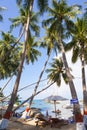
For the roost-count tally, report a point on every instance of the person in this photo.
(47, 113)
(25, 113)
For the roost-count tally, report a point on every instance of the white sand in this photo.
(15, 124)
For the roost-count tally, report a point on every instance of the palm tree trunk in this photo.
(14, 93)
(6, 84)
(41, 74)
(84, 91)
(84, 86)
(76, 107)
(33, 95)
(8, 112)
(1, 100)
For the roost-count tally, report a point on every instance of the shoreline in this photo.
(16, 123)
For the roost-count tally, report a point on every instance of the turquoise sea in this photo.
(64, 106)
(45, 106)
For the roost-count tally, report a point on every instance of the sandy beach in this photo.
(15, 124)
(18, 123)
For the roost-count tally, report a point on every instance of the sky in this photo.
(31, 72)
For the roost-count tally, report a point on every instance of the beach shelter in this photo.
(55, 99)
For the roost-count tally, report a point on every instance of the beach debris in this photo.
(58, 123)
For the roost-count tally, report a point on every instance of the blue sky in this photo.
(31, 72)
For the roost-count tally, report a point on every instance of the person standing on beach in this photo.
(25, 113)
(47, 113)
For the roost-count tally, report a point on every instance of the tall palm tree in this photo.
(79, 48)
(48, 44)
(25, 24)
(61, 23)
(42, 4)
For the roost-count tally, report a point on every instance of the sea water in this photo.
(46, 106)
(64, 106)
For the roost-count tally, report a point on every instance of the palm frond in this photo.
(75, 54)
(42, 5)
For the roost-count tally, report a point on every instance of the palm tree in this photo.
(79, 46)
(48, 44)
(25, 25)
(61, 23)
(57, 71)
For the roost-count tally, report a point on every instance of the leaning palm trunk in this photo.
(76, 107)
(41, 74)
(6, 84)
(8, 112)
(33, 95)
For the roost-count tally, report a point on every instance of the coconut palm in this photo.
(57, 71)
(30, 54)
(61, 23)
(79, 48)
(47, 43)
(25, 25)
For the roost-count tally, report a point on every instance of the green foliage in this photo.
(57, 71)
(17, 100)
(9, 55)
(41, 4)
(60, 18)
(79, 39)
(31, 52)
(22, 20)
